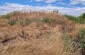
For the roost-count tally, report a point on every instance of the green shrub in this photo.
(70, 45)
(70, 17)
(79, 19)
(81, 36)
(7, 16)
(82, 16)
(48, 20)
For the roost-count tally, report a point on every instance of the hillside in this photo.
(40, 33)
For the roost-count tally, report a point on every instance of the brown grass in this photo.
(37, 38)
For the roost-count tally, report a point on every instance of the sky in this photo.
(71, 7)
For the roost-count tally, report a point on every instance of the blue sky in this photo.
(72, 7)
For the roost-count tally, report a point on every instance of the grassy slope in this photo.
(37, 34)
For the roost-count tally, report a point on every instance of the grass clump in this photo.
(7, 16)
(48, 20)
(11, 14)
(70, 45)
(25, 22)
(12, 22)
(81, 36)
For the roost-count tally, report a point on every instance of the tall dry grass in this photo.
(36, 33)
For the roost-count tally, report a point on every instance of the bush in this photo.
(79, 19)
(48, 20)
(6, 16)
(81, 36)
(70, 45)
(82, 16)
(74, 44)
(70, 17)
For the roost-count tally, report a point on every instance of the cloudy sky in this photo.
(72, 7)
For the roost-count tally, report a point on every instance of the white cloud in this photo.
(9, 7)
(73, 2)
(48, 1)
(62, 3)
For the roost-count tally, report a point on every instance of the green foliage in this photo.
(79, 19)
(81, 36)
(48, 20)
(82, 16)
(70, 45)
(7, 16)
(73, 44)
(70, 17)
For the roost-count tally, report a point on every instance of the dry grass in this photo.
(33, 37)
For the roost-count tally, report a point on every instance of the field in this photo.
(41, 33)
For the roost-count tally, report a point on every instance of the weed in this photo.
(81, 35)
(81, 40)
(70, 45)
(48, 20)
(25, 22)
